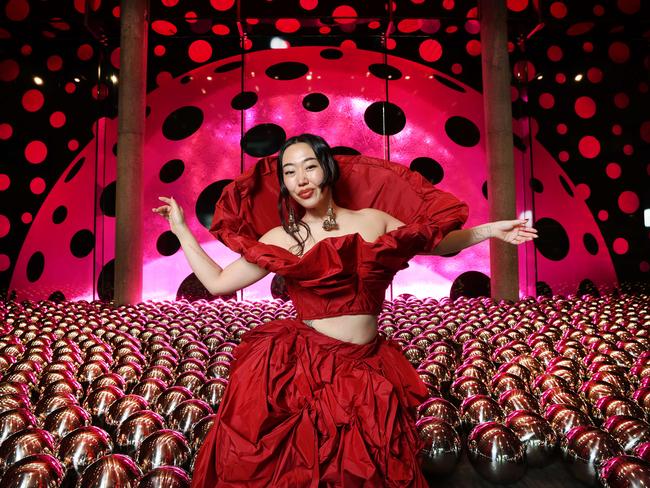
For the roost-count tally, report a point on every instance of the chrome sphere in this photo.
(585, 448)
(537, 436)
(26, 442)
(15, 420)
(624, 471)
(111, 471)
(64, 420)
(165, 476)
(496, 453)
(163, 448)
(38, 470)
(82, 447)
(443, 446)
(135, 429)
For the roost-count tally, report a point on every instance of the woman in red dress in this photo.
(322, 400)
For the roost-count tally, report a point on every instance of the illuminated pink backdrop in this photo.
(210, 151)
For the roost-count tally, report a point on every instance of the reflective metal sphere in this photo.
(187, 414)
(163, 448)
(496, 453)
(563, 418)
(150, 389)
(25, 443)
(82, 447)
(39, 470)
(584, 448)
(111, 471)
(135, 429)
(98, 402)
(15, 420)
(512, 400)
(165, 476)
(624, 471)
(478, 409)
(443, 446)
(537, 436)
(122, 408)
(441, 409)
(629, 432)
(212, 391)
(66, 419)
(200, 431)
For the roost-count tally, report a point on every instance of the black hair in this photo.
(330, 168)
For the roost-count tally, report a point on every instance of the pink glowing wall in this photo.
(211, 152)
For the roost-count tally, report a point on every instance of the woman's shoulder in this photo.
(276, 236)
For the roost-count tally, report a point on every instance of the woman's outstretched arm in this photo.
(511, 231)
(218, 281)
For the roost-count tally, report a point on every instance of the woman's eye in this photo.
(288, 173)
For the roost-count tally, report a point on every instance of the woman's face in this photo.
(302, 174)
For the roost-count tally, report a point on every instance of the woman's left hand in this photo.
(513, 231)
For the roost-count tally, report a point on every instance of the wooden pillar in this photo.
(504, 271)
(132, 92)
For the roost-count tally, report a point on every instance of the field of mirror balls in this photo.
(96, 395)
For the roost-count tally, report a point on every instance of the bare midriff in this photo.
(357, 329)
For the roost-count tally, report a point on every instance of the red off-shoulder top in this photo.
(343, 275)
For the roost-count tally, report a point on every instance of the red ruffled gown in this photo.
(303, 409)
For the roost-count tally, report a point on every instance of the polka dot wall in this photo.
(579, 144)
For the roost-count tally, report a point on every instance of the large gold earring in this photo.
(293, 227)
(330, 222)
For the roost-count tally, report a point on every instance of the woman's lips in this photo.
(306, 194)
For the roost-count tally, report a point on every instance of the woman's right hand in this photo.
(173, 213)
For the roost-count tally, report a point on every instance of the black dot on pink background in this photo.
(207, 200)
(74, 170)
(82, 243)
(263, 140)
(182, 123)
(35, 266)
(566, 186)
(384, 118)
(171, 170)
(385, 71)
(590, 243)
(114, 149)
(470, 284)
(429, 168)
(536, 185)
(462, 131)
(484, 190)
(228, 67)
(167, 243)
(331, 53)
(244, 100)
(588, 287)
(552, 241)
(59, 215)
(107, 200)
(289, 70)
(57, 296)
(543, 289)
(449, 83)
(192, 289)
(344, 150)
(105, 286)
(315, 102)
(518, 143)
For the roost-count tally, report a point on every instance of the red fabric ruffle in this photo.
(305, 410)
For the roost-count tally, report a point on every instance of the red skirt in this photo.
(305, 410)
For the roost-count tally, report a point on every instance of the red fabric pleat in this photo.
(305, 410)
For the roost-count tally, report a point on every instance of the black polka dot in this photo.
(588, 287)
(484, 190)
(543, 289)
(244, 100)
(167, 243)
(171, 170)
(566, 186)
(186, 79)
(462, 131)
(35, 266)
(182, 123)
(207, 200)
(518, 143)
(470, 284)
(74, 170)
(590, 243)
(228, 67)
(147, 111)
(107, 200)
(82, 243)
(315, 102)
(192, 289)
(105, 281)
(385, 118)
(536, 185)
(429, 168)
(57, 296)
(114, 149)
(331, 53)
(263, 140)
(59, 215)
(552, 241)
(385, 71)
(449, 83)
(289, 70)
(344, 150)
